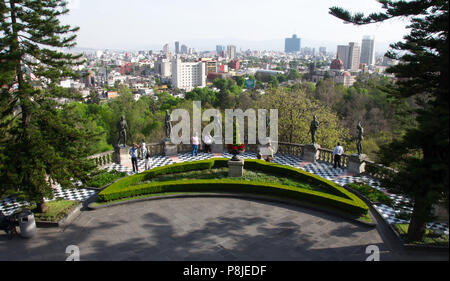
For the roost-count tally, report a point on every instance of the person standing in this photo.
(208, 140)
(143, 150)
(195, 144)
(147, 160)
(337, 154)
(134, 156)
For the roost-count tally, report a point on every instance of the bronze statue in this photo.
(168, 124)
(360, 138)
(122, 127)
(313, 129)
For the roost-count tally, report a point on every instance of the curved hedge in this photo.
(130, 187)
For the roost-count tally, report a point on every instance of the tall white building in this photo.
(188, 75)
(231, 51)
(354, 56)
(166, 68)
(368, 50)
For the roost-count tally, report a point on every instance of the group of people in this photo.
(134, 151)
(207, 140)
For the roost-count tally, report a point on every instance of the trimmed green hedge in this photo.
(129, 187)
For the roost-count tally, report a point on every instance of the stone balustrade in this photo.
(325, 155)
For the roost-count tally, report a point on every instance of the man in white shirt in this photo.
(337, 154)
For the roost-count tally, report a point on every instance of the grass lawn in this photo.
(104, 178)
(249, 175)
(56, 210)
(430, 239)
(374, 195)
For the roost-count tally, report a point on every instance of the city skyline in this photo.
(201, 24)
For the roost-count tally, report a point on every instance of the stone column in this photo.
(236, 168)
(170, 149)
(311, 153)
(357, 164)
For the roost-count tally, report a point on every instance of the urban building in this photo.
(220, 49)
(368, 51)
(234, 64)
(177, 47)
(292, 45)
(184, 49)
(231, 51)
(354, 56)
(322, 51)
(342, 53)
(210, 64)
(188, 75)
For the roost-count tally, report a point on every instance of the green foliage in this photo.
(130, 187)
(371, 193)
(295, 112)
(104, 178)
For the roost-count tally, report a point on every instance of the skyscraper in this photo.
(292, 45)
(220, 49)
(177, 47)
(368, 50)
(354, 56)
(184, 49)
(231, 51)
(342, 53)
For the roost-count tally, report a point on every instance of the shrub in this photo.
(130, 187)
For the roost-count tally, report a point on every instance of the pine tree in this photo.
(422, 154)
(40, 145)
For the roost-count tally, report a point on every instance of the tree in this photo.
(295, 112)
(41, 144)
(421, 155)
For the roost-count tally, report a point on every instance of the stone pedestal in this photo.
(122, 156)
(311, 153)
(170, 149)
(236, 168)
(217, 148)
(357, 164)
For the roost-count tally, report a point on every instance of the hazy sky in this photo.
(202, 24)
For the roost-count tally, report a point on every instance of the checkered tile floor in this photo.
(10, 205)
(324, 170)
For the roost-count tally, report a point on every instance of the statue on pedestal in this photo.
(313, 129)
(360, 138)
(122, 127)
(168, 125)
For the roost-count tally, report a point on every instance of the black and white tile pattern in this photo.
(10, 205)
(401, 203)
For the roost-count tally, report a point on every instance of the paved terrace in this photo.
(216, 228)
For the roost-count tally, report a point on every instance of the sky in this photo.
(203, 24)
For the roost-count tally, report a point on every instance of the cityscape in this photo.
(113, 116)
(180, 67)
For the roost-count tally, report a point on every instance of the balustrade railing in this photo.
(103, 159)
(325, 155)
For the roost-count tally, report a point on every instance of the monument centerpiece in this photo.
(122, 156)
